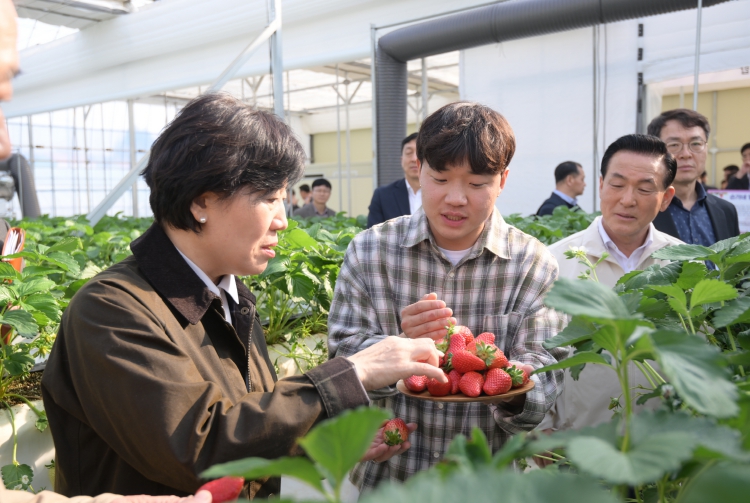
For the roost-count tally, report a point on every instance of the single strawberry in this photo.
(457, 343)
(519, 376)
(417, 384)
(224, 489)
(523, 366)
(497, 361)
(487, 337)
(454, 377)
(471, 384)
(395, 432)
(460, 329)
(464, 362)
(497, 382)
(437, 388)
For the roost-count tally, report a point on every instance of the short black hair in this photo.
(647, 145)
(732, 168)
(218, 144)
(565, 169)
(466, 132)
(321, 182)
(686, 117)
(406, 140)
(304, 188)
(744, 147)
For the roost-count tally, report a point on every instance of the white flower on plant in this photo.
(18, 487)
(576, 252)
(25, 479)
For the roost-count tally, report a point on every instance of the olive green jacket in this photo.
(147, 385)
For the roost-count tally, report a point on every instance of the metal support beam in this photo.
(273, 29)
(697, 55)
(131, 131)
(425, 95)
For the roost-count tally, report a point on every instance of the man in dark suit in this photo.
(569, 184)
(402, 197)
(694, 216)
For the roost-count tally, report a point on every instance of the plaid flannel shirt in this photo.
(498, 287)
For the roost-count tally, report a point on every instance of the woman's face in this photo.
(240, 232)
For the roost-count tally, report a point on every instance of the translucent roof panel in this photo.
(76, 13)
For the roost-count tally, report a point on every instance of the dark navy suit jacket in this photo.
(550, 204)
(723, 217)
(389, 201)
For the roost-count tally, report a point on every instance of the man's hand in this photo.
(426, 318)
(200, 497)
(379, 451)
(5, 148)
(394, 358)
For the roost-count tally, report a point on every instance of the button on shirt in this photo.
(415, 199)
(226, 285)
(693, 226)
(630, 263)
(565, 197)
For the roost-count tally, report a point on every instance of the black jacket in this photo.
(550, 204)
(388, 202)
(722, 213)
(739, 183)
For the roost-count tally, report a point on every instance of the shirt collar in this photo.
(494, 236)
(565, 197)
(700, 198)
(411, 191)
(608, 243)
(227, 283)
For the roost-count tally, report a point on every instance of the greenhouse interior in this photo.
(297, 250)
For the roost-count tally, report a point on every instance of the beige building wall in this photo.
(325, 163)
(727, 111)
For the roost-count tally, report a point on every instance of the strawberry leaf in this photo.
(255, 468)
(709, 291)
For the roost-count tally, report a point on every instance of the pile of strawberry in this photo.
(473, 365)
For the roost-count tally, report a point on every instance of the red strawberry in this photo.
(437, 388)
(457, 343)
(523, 366)
(460, 329)
(416, 384)
(519, 376)
(224, 489)
(487, 337)
(497, 382)
(454, 377)
(464, 362)
(471, 384)
(395, 432)
(492, 356)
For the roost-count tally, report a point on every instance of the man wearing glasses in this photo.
(694, 216)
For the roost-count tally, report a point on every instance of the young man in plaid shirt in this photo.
(454, 260)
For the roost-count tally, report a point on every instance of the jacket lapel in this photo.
(718, 220)
(402, 197)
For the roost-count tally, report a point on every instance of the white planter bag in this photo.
(35, 448)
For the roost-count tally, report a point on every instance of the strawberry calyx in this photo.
(393, 437)
(516, 374)
(448, 363)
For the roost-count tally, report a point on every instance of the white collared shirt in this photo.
(630, 263)
(565, 197)
(415, 198)
(227, 284)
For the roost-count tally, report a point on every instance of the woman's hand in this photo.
(395, 358)
(200, 497)
(379, 451)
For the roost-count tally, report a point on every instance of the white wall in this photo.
(544, 87)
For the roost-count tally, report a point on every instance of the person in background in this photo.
(304, 194)
(729, 172)
(569, 184)
(454, 260)
(8, 69)
(402, 197)
(704, 181)
(321, 193)
(635, 186)
(693, 216)
(741, 180)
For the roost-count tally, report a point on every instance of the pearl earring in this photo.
(202, 220)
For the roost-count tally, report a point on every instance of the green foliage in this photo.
(551, 228)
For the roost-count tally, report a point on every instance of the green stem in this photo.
(13, 427)
(682, 320)
(692, 327)
(637, 490)
(645, 373)
(540, 456)
(654, 373)
(25, 400)
(734, 348)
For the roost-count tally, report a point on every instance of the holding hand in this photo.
(379, 451)
(200, 497)
(426, 318)
(394, 358)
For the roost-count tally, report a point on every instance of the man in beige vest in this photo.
(635, 185)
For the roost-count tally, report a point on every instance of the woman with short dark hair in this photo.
(160, 369)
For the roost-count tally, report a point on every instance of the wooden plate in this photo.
(425, 395)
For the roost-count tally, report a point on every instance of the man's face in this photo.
(632, 193)
(578, 182)
(690, 164)
(8, 52)
(746, 159)
(457, 202)
(409, 161)
(321, 194)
